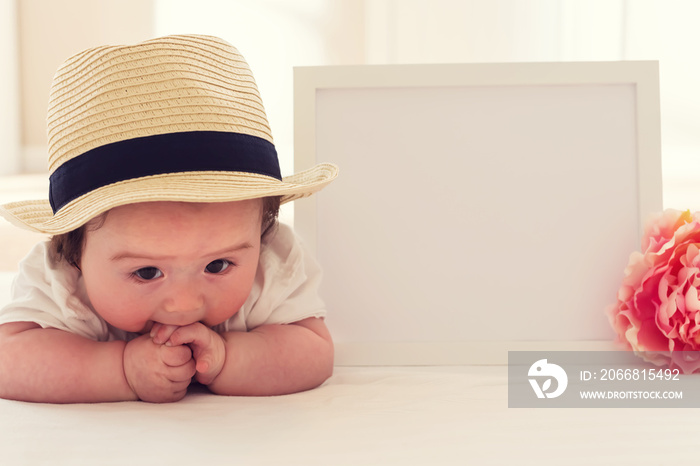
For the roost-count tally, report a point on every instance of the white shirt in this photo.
(52, 293)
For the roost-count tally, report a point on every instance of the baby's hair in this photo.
(270, 212)
(69, 246)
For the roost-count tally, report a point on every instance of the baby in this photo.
(166, 262)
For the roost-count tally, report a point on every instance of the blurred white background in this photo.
(276, 35)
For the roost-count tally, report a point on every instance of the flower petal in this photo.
(692, 303)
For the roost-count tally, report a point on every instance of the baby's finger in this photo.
(182, 374)
(154, 328)
(207, 350)
(195, 334)
(204, 375)
(175, 356)
(160, 333)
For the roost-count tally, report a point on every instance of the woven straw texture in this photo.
(166, 85)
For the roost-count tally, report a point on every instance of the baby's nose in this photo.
(184, 298)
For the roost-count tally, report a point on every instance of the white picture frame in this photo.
(480, 208)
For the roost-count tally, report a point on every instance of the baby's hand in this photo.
(208, 347)
(158, 373)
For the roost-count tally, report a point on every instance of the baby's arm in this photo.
(50, 365)
(269, 360)
(276, 359)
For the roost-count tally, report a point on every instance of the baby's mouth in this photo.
(147, 328)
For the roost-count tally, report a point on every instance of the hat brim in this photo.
(211, 186)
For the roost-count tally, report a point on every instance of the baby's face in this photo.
(172, 262)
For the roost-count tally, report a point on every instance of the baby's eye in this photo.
(148, 273)
(217, 266)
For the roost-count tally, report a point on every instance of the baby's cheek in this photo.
(122, 319)
(122, 313)
(222, 312)
(226, 306)
(226, 298)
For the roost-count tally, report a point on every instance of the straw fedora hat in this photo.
(177, 118)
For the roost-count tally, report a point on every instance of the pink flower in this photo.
(657, 313)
